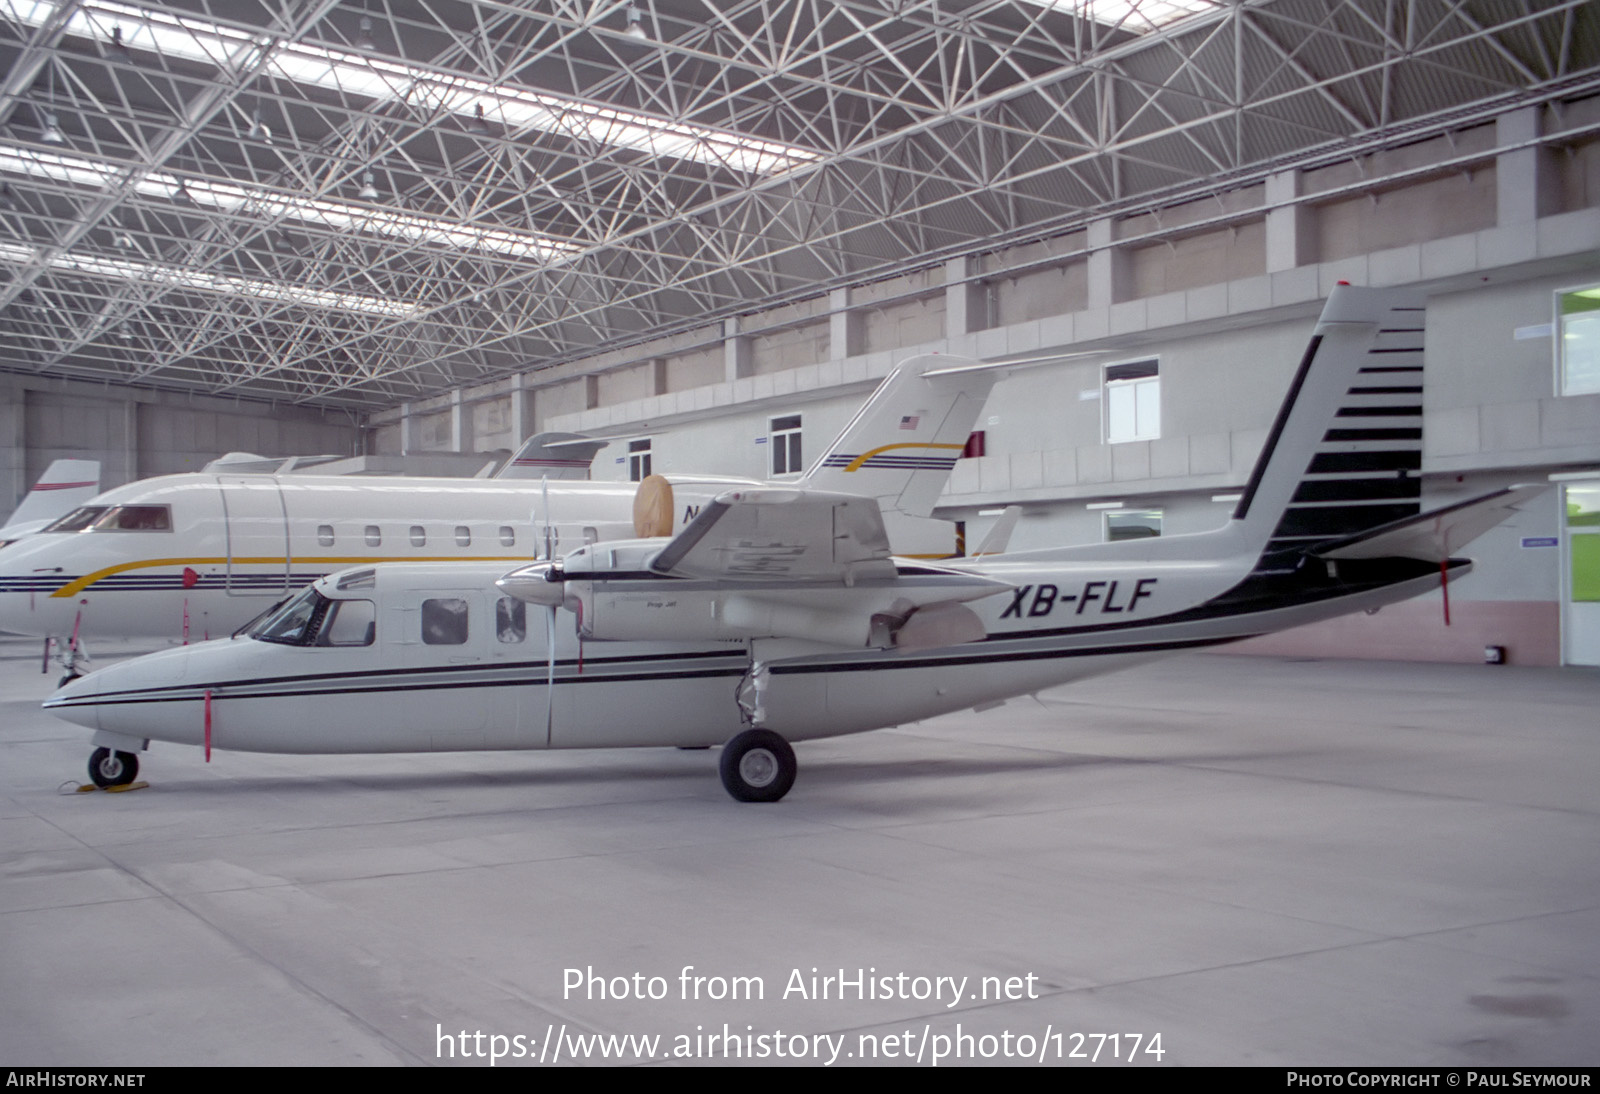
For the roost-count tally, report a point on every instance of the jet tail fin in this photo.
(553, 456)
(65, 485)
(1344, 456)
(903, 442)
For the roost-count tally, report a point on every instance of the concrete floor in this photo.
(1263, 861)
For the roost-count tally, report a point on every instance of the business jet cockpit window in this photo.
(77, 520)
(135, 518)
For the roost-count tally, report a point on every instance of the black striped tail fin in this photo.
(1345, 453)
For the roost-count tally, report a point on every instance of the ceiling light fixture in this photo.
(117, 48)
(181, 195)
(369, 189)
(259, 130)
(478, 125)
(364, 38)
(635, 25)
(51, 133)
(123, 240)
(8, 200)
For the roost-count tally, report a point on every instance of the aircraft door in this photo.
(258, 536)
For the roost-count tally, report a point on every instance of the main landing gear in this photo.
(108, 768)
(758, 766)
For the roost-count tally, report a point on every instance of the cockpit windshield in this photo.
(312, 619)
(291, 624)
(77, 520)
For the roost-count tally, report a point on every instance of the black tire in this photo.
(108, 768)
(758, 766)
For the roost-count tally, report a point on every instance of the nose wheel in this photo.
(758, 766)
(108, 768)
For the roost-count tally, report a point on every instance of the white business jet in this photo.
(778, 614)
(198, 555)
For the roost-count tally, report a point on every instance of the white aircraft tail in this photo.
(903, 442)
(557, 456)
(1345, 453)
(65, 485)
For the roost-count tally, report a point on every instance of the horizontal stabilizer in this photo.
(999, 536)
(554, 456)
(1433, 536)
(759, 534)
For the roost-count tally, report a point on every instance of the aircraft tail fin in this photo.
(65, 485)
(903, 442)
(554, 456)
(1344, 456)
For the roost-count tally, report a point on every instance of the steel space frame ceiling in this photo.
(357, 204)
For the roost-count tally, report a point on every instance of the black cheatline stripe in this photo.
(1417, 390)
(1358, 489)
(536, 678)
(1379, 411)
(1392, 368)
(1328, 463)
(1395, 349)
(1402, 330)
(992, 658)
(1372, 435)
(538, 667)
(1278, 425)
(1408, 307)
(1340, 520)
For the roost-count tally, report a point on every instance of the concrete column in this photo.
(736, 357)
(130, 440)
(658, 376)
(408, 430)
(460, 428)
(966, 302)
(1291, 229)
(844, 326)
(14, 484)
(520, 396)
(1108, 265)
(1526, 184)
(591, 391)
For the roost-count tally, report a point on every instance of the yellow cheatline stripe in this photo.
(856, 463)
(76, 587)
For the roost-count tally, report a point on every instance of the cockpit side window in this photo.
(349, 623)
(77, 520)
(135, 518)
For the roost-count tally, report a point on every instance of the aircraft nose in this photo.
(126, 686)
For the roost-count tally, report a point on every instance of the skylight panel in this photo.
(1134, 16)
(133, 270)
(378, 78)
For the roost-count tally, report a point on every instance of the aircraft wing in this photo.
(766, 533)
(1433, 536)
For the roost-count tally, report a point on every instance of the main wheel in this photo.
(108, 768)
(758, 766)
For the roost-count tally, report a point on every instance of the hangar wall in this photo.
(1490, 222)
(137, 434)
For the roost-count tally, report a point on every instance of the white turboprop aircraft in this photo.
(778, 614)
(65, 485)
(200, 554)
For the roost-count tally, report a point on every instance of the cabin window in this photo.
(419, 536)
(463, 536)
(374, 537)
(510, 620)
(136, 518)
(508, 536)
(77, 520)
(325, 535)
(349, 623)
(444, 622)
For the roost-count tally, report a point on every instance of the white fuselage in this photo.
(408, 690)
(236, 543)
